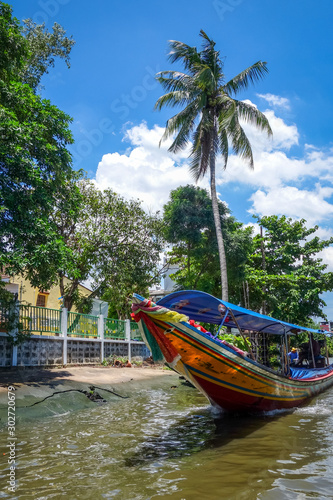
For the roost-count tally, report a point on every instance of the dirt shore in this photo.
(99, 375)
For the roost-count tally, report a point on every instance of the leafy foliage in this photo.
(44, 47)
(34, 160)
(189, 227)
(235, 340)
(285, 272)
(10, 321)
(108, 240)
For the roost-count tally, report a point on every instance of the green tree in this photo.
(210, 117)
(44, 47)
(34, 135)
(188, 222)
(285, 272)
(189, 227)
(109, 241)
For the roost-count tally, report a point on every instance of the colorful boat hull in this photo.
(228, 379)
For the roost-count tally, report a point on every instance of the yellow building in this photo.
(46, 298)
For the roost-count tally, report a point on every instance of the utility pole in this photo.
(262, 247)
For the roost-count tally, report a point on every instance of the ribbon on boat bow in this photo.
(148, 311)
(161, 313)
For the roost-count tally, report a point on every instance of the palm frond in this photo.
(172, 99)
(182, 136)
(206, 38)
(175, 80)
(173, 74)
(252, 115)
(240, 143)
(211, 57)
(182, 123)
(203, 141)
(249, 76)
(196, 163)
(224, 146)
(205, 79)
(200, 157)
(225, 109)
(179, 51)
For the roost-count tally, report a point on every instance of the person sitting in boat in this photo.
(305, 353)
(320, 361)
(293, 356)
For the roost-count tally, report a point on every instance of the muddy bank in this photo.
(52, 392)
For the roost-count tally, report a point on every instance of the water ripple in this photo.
(171, 444)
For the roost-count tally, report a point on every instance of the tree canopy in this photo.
(34, 159)
(44, 47)
(109, 241)
(284, 274)
(189, 227)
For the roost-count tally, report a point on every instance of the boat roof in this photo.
(201, 306)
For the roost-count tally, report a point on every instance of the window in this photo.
(41, 300)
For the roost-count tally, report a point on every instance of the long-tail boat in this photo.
(230, 378)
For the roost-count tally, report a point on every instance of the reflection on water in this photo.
(170, 444)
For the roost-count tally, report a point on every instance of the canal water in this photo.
(168, 443)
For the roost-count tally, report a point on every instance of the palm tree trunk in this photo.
(219, 235)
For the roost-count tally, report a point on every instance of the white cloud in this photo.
(276, 100)
(284, 136)
(327, 256)
(255, 227)
(146, 171)
(281, 184)
(323, 233)
(295, 203)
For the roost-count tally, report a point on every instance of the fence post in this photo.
(64, 318)
(14, 332)
(128, 337)
(100, 334)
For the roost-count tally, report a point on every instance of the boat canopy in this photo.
(201, 306)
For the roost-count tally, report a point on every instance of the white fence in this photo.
(91, 333)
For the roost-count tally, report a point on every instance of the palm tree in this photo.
(211, 116)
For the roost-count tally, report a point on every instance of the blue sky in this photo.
(110, 92)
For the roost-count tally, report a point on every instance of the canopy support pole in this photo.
(327, 357)
(311, 345)
(222, 322)
(287, 360)
(242, 335)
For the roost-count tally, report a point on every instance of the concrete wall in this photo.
(140, 350)
(83, 352)
(5, 352)
(117, 348)
(39, 352)
(42, 351)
